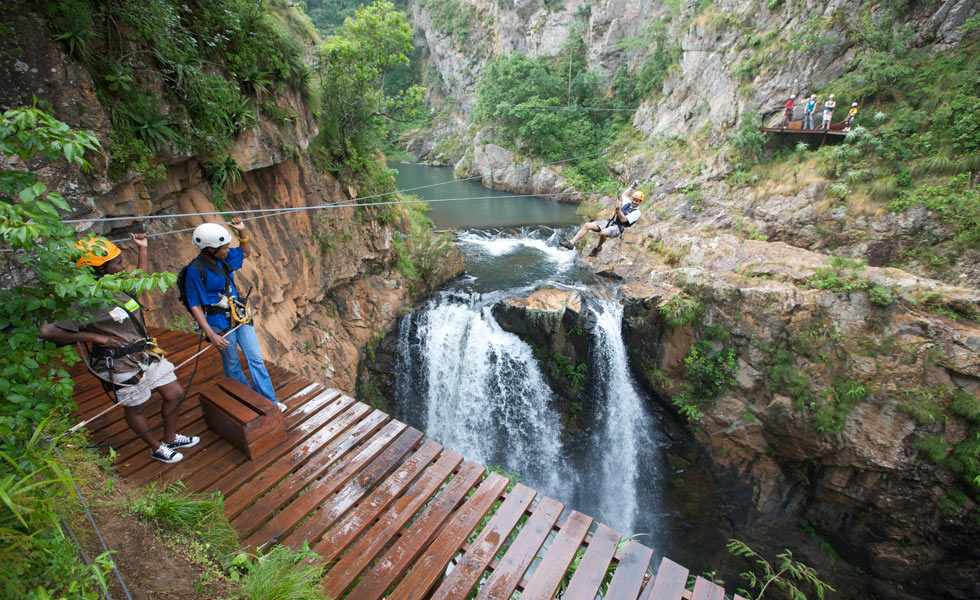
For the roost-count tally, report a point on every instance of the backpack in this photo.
(200, 264)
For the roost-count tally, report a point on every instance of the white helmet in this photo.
(210, 235)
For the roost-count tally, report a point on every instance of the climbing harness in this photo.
(194, 358)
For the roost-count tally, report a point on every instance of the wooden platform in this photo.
(390, 513)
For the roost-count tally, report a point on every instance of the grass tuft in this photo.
(194, 515)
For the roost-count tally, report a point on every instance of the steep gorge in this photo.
(848, 428)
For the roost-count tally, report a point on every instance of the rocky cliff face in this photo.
(324, 280)
(783, 446)
(732, 59)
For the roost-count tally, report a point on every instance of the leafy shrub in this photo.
(280, 574)
(934, 447)
(843, 276)
(749, 142)
(710, 373)
(880, 295)
(966, 405)
(786, 378)
(922, 406)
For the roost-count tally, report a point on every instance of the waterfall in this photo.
(478, 389)
(626, 439)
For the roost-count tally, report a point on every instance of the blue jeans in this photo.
(244, 338)
(808, 120)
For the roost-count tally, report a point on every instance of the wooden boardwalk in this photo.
(390, 513)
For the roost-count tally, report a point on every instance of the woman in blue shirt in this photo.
(209, 301)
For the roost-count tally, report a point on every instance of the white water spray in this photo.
(486, 398)
(626, 437)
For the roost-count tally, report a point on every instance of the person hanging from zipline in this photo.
(627, 212)
(121, 353)
(214, 301)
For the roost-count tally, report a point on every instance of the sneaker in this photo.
(566, 244)
(595, 251)
(281, 406)
(165, 454)
(183, 441)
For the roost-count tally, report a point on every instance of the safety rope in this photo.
(105, 548)
(108, 409)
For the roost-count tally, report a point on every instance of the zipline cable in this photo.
(315, 207)
(279, 211)
(574, 108)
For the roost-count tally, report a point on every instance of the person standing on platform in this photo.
(120, 352)
(828, 112)
(850, 116)
(788, 110)
(811, 105)
(215, 303)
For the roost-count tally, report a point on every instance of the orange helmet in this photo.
(638, 194)
(98, 251)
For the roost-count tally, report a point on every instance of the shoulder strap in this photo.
(140, 326)
(203, 263)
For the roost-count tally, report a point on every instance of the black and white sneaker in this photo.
(165, 454)
(183, 441)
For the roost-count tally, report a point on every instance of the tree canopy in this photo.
(353, 66)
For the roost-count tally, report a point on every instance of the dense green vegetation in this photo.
(917, 140)
(358, 104)
(35, 485)
(215, 66)
(534, 102)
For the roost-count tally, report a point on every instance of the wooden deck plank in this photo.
(547, 577)
(510, 570)
(230, 473)
(378, 474)
(215, 449)
(338, 539)
(268, 473)
(397, 559)
(370, 496)
(706, 590)
(594, 565)
(630, 571)
(289, 477)
(468, 570)
(669, 583)
(394, 433)
(138, 453)
(431, 565)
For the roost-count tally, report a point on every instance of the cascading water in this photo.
(626, 439)
(479, 390)
(481, 393)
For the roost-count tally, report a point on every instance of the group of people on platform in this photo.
(810, 106)
(125, 358)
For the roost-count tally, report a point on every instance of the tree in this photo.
(40, 253)
(353, 67)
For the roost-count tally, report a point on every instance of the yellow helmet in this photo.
(638, 194)
(98, 251)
